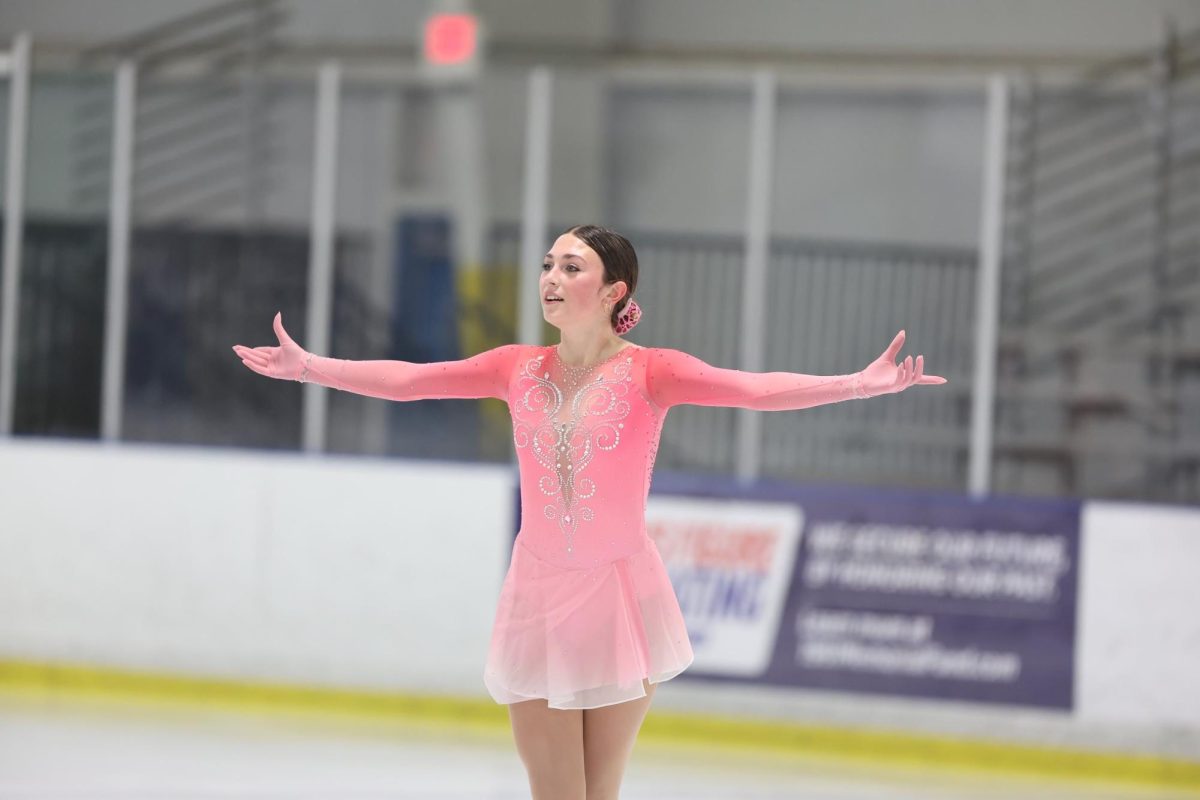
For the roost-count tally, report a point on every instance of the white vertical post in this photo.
(14, 224)
(758, 234)
(533, 212)
(987, 291)
(120, 216)
(320, 261)
(460, 118)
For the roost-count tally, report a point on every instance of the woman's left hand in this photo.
(284, 362)
(884, 376)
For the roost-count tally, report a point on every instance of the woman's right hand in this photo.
(285, 361)
(884, 376)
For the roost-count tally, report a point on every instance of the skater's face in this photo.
(573, 271)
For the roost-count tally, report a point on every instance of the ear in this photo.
(620, 289)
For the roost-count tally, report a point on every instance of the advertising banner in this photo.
(875, 591)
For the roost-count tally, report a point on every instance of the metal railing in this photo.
(1100, 326)
(204, 123)
(191, 298)
(60, 325)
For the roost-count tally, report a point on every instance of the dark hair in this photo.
(617, 256)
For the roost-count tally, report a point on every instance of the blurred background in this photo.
(1016, 183)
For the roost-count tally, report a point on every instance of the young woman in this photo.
(587, 622)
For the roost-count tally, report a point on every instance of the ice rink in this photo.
(80, 747)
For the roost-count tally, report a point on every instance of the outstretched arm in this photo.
(482, 375)
(674, 377)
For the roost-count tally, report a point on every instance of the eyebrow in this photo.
(565, 255)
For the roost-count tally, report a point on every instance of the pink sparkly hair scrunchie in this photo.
(628, 318)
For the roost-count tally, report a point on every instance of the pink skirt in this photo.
(587, 637)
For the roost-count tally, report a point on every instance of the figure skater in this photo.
(587, 622)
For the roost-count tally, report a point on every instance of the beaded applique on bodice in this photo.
(572, 422)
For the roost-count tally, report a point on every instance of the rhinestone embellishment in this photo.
(565, 447)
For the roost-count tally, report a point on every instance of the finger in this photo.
(279, 331)
(242, 350)
(932, 379)
(260, 352)
(920, 368)
(254, 367)
(256, 358)
(909, 370)
(894, 348)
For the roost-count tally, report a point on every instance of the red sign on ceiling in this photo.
(450, 38)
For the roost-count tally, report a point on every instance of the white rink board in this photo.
(315, 570)
(1138, 646)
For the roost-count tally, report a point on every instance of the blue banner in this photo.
(874, 590)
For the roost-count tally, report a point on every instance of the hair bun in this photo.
(628, 318)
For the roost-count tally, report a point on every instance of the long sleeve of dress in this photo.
(674, 377)
(485, 374)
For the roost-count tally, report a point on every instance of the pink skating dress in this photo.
(586, 610)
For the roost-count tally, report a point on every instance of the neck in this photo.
(581, 351)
